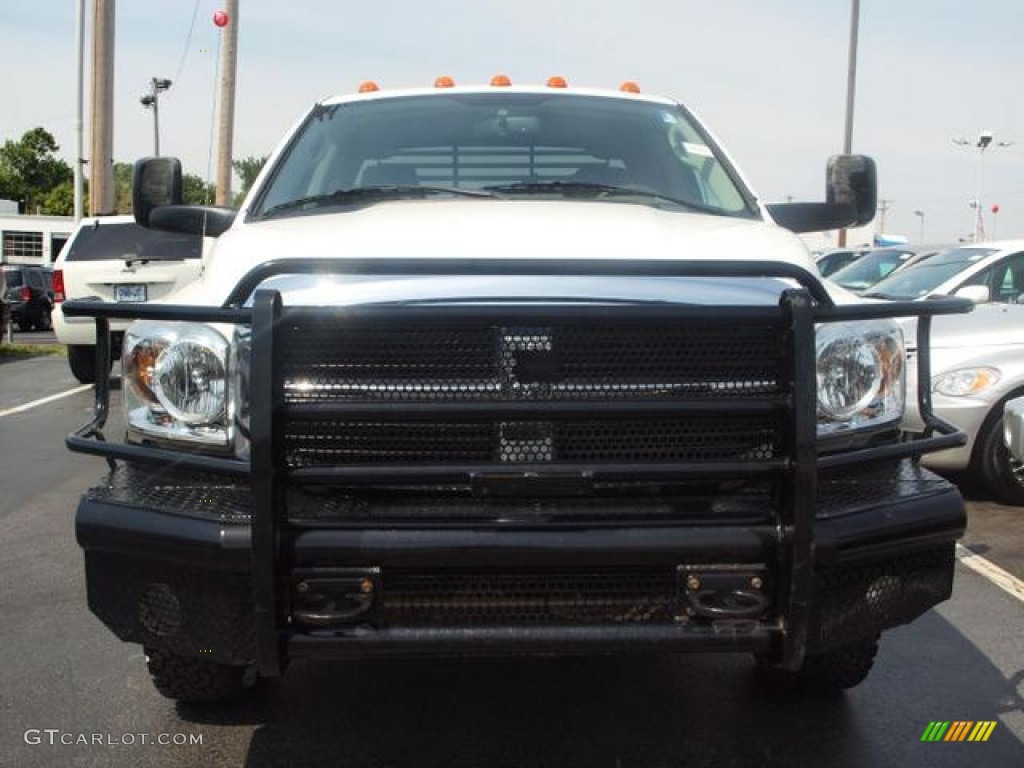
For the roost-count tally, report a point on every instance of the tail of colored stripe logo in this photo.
(982, 731)
(958, 730)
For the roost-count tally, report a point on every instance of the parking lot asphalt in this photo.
(65, 673)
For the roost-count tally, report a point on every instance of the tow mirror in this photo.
(852, 180)
(156, 181)
(851, 194)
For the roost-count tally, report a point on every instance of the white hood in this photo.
(477, 229)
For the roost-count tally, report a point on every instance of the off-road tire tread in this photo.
(193, 681)
(829, 672)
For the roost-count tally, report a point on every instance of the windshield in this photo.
(502, 145)
(870, 268)
(923, 278)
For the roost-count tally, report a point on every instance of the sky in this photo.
(768, 78)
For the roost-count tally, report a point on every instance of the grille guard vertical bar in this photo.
(803, 480)
(266, 483)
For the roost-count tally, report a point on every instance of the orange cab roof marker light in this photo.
(557, 82)
(629, 87)
(444, 82)
(501, 80)
(368, 86)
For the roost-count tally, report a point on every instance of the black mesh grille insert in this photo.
(503, 599)
(704, 438)
(362, 360)
(330, 363)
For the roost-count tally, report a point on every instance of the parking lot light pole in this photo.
(851, 90)
(152, 100)
(920, 214)
(983, 142)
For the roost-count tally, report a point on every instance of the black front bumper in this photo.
(161, 571)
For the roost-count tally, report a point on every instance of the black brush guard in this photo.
(797, 465)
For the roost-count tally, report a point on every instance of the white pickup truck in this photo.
(510, 369)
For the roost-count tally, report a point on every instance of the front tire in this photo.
(82, 361)
(829, 672)
(998, 470)
(196, 681)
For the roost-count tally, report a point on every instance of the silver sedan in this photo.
(977, 367)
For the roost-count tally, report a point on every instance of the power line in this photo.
(188, 41)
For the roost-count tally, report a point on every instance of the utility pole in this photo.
(226, 112)
(101, 158)
(883, 209)
(79, 107)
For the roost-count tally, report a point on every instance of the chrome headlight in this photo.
(965, 382)
(860, 369)
(175, 383)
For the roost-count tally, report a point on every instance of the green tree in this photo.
(123, 187)
(60, 201)
(247, 168)
(30, 169)
(195, 191)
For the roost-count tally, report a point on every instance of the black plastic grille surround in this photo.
(484, 598)
(480, 363)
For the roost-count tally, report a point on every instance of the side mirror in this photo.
(979, 294)
(156, 181)
(851, 194)
(852, 180)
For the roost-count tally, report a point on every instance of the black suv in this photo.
(29, 294)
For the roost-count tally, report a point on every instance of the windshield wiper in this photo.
(594, 189)
(879, 295)
(377, 192)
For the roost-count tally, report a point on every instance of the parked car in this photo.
(834, 260)
(977, 363)
(29, 294)
(1013, 433)
(114, 259)
(982, 272)
(880, 263)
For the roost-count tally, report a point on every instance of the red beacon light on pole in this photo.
(221, 18)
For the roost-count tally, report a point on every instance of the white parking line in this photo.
(43, 401)
(1005, 581)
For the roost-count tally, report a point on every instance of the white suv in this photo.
(114, 259)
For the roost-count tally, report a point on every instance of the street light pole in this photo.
(151, 100)
(851, 87)
(920, 214)
(983, 142)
